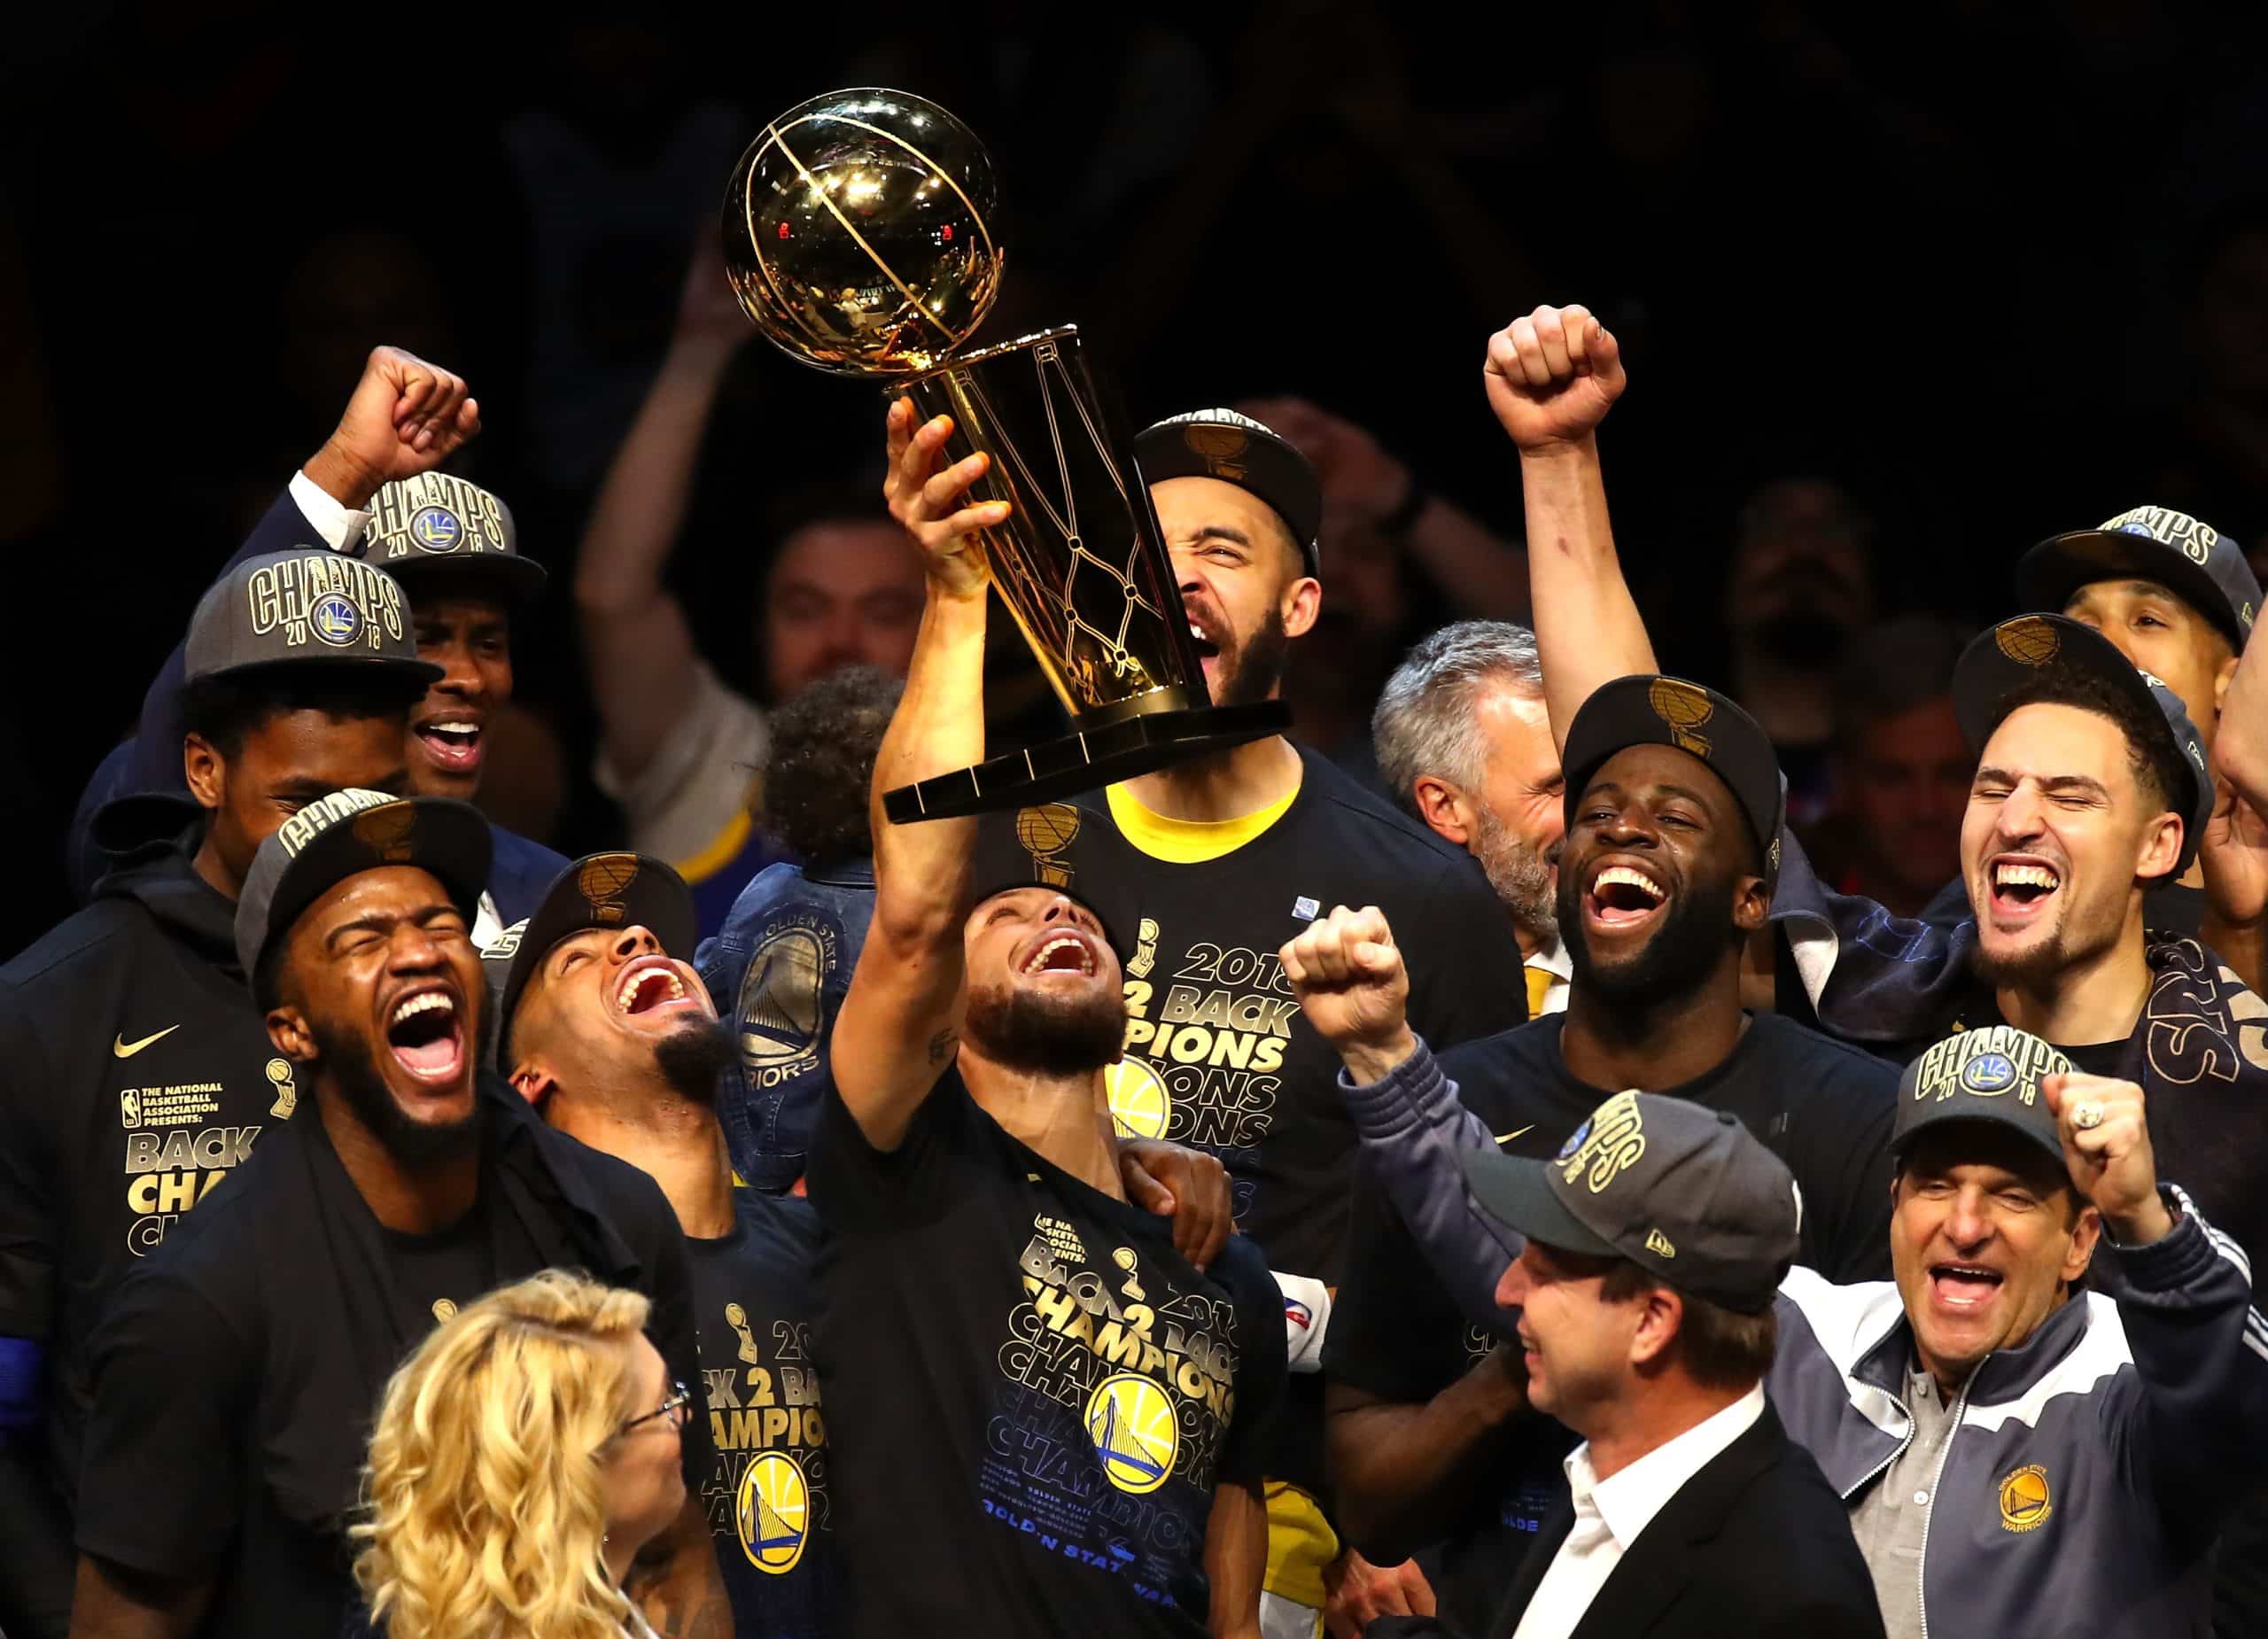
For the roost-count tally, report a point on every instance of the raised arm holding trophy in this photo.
(859, 236)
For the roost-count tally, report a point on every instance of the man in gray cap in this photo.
(1656, 1242)
(2110, 1431)
(236, 1373)
(135, 1072)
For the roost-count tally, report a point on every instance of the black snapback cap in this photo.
(2184, 553)
(1991, 1074)
(304, 607)
(1683, 1192)
(1236, 449)
(436, 525)
(2020, 651)
(1646, 709)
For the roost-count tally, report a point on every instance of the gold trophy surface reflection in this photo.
(859, 237)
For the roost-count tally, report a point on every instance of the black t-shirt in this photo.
(1032, 1395)
(1824, 1107)
(238, 1370)
(135, 1074)
(766, 1493)
(432, 1277)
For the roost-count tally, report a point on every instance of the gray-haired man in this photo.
(1465, 744)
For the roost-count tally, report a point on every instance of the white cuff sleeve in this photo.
(1306, 1316)
(338, 524)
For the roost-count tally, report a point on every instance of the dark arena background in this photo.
(1901, 291)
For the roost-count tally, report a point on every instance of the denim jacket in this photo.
(778, 970)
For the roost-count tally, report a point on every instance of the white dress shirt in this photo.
(1553, 958)
(338, 525)
(1610, 1514)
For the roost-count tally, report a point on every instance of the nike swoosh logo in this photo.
(1506, 1137)
(125, 1049)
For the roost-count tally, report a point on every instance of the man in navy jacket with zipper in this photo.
(2080, 1446)
(373, 490)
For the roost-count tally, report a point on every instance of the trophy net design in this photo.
(856, 238)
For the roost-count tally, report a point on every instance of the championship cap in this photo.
(2184, 553)
(440, 522)
(1222, 443)
(606, 890)
(1669, 711)
(301, 607)
(347, 833)
(1989, 1075)
(2018, 652)
(1680, 1190)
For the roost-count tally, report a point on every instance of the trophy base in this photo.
(1080, 762)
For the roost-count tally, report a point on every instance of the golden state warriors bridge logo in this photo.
(771, 1513)
(1132, 1424)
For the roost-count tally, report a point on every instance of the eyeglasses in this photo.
(673, 1407)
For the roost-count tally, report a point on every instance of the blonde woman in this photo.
(522, 1457)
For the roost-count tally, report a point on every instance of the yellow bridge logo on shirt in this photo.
(1133, 1426)
(771, 1513)
(782, 1004)
(1204, 1049)
(2024, 1500)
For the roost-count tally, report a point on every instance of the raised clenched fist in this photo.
(2106, 1133)
(406, 416)
(1353, 988)
(1552, 376)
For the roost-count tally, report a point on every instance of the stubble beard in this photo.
(1520, 876)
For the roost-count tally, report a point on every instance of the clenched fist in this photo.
(1354, 988)
(2107, 1147)
(1552, 376)
(406, 416)
(927, 502)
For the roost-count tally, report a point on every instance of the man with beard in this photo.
(1211, 865)
(1075, 1411)
(1666, 869)
(1465, 745)
(373, 490)
(236, 1373)
(138, 1072)
(613, 1037)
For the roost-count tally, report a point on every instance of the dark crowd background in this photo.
(1901, 290)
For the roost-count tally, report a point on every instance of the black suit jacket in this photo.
(1755, 1546)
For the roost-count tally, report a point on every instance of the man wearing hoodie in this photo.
(135, 1070)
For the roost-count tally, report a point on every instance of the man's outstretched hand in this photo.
(926, 503)
(1188, 1187)
(406, 416)
(1353, 989)
(1552, 376)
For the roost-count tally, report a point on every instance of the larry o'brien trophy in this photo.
(858, 235)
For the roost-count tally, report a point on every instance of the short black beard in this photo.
(1046, 1035)
(1670, 966)
(1519, 874)
(416, 1145)
(1250, 672)
(693, 1056)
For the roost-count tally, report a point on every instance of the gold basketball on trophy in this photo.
(858, 233)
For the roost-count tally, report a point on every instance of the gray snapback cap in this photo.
(1990, 1075)
(309, 608)
(436, 527)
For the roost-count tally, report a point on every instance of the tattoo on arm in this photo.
(942, 1044)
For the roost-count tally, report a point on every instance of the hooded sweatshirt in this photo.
(135, 1074)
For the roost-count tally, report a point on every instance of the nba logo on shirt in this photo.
(1305, 908)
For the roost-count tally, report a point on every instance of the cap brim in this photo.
(655, 898)
(1903, 1140)
(2051, 572)
(521, 579)
(422, 673)
(450, 840)
(1271, 470)
(1516, 1191)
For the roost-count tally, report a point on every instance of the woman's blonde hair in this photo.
(484, 1511)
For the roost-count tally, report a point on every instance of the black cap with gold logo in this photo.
(608, 890)
(2186, 555)
(435, 527)
(1236, 449)
(1989, 1075)
(1646, 709)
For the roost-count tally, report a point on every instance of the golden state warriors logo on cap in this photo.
(385, 831)
(1684, 708)
(602, 880)
(771, 1513)
(2025, 1501)
(1990, 1063)
(334, 620)
(435, 529)
(2028, 640)
(1132, 1424)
